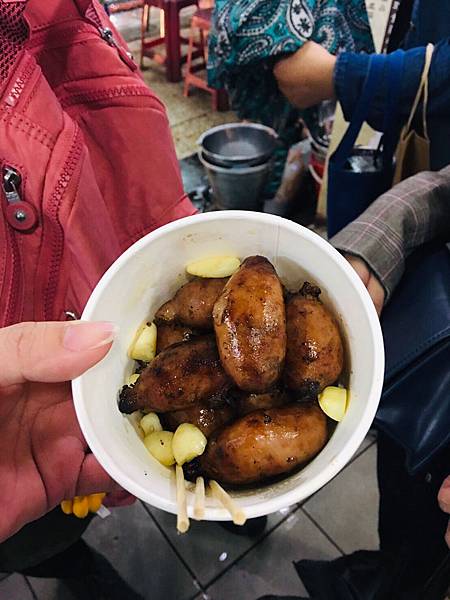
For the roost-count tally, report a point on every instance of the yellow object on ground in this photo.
(81, 506)
(95, 501)
(333, 402)
(66, 507)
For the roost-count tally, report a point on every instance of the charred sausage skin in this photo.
(265, 444)
(250, 325)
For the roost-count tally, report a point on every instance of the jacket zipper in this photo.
(107, 35)
(11, 184)
(20, 82)
(123, 91)
(57, 241)
(84, 29)
(126, 56)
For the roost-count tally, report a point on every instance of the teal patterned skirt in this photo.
(247, 38)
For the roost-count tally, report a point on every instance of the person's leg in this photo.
(86, 573)
(73, 562)
(411, 529)
(411, 524)
(40, 540)
(51, 547)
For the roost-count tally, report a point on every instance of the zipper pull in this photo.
(108, 36)
(20, 215)
(11, 184)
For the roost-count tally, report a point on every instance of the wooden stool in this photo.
(201, 22)
(169, 35)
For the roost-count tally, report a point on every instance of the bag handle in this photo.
(395, 62)
(371, 84)
(422, 91)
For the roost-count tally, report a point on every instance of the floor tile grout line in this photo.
(351, 461)
(249, 549)
(201, 588)
(322, 530)
(30, 587)
(358, 454)
(202, 596)
(307, 515)
(206, 586)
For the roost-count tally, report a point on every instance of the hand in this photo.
(444, 503)
(306, 77)
(371, 282)
(43, 456)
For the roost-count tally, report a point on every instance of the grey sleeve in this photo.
(412, 213)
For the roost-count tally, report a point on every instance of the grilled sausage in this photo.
(248, 402)
(182, 375)
(264, 444)
(250, 325)
(170, 334)
(206, 417)
(315, 355)
(193, 303)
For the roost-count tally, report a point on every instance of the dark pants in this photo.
(52, 547)
(40, 540)
(414, 561)
(411, 524)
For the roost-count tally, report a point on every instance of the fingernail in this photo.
(82, 336)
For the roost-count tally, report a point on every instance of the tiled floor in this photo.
(210, 562)
(142, 544)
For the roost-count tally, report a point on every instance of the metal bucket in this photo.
(238, 144)
(237, 188)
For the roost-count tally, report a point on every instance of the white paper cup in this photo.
(149, 273)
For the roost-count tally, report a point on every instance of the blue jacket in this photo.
(430, 23)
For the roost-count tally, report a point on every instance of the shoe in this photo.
(100, 581)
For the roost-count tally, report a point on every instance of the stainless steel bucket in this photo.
(238, 144)
(237, 188)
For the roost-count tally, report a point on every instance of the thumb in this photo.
(53, 351)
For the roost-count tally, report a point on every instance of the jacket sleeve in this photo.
(412, 213)
(351, 70)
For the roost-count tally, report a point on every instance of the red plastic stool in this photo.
(201, 23)
(170, 35)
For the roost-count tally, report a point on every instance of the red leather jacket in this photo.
(87, 161)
